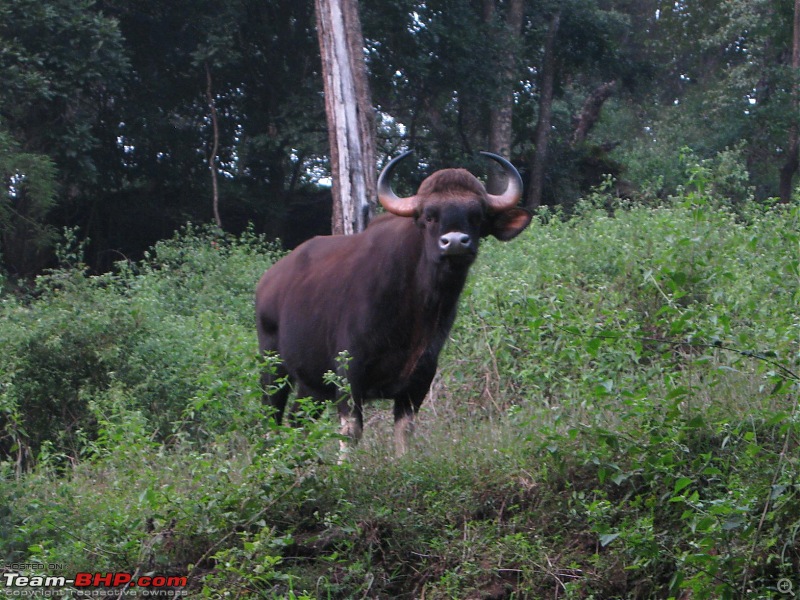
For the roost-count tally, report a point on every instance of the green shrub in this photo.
(164, 332)
(616, 416)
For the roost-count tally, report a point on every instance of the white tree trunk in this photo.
(501, 111)
(350, 114)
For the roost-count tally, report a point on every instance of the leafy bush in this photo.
(161, 333)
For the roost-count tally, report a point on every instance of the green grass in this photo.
(616, 416)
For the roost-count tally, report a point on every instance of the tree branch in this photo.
(212, 158)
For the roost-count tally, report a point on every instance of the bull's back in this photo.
(290, 281)
(327, 271)
(302, 299)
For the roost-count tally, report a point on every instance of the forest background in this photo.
(106, 126)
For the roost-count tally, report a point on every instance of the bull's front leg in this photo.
(404, 417)
(406, 407)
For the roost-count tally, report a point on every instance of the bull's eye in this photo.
(431, 217)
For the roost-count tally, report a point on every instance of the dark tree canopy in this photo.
(105, 120)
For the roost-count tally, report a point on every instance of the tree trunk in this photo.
(501, 111)
(542, 133)
(212, 158)
(590, 112)
(789, 168)
(350, 115)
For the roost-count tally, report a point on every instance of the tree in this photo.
(542, 131)
(349, 110)
(28, 195)
(271, 135)
(464, 75)
(212, 155)
(793, 152)
(435, 75)
(723, 80)
(590, 111)
(501, 132)
(60, 61)
(110, 100)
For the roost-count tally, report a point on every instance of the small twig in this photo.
(660, 291)
(127, 585)
(212, 157)
(369, 587)
(97, 549)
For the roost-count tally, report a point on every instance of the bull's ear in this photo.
(509, 224)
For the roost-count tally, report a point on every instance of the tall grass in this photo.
(615, 416)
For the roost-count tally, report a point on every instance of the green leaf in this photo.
(620, 477)
(696, 423)
(678, 392)
(704, 524)
(681, 484)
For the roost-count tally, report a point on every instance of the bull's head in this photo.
(454, 209)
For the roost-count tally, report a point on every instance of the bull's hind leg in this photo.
(276, 387)
(274, 377)
(309, 403)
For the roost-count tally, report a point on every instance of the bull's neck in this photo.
(436, 290)
(439, 285)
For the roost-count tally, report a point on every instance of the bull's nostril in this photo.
(455, 242)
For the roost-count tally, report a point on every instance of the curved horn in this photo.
(404, 207)
(513, 193)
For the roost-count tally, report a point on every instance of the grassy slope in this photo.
(591, 434)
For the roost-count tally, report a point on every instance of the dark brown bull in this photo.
(386, 296)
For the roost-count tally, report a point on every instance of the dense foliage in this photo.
(616, 416)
